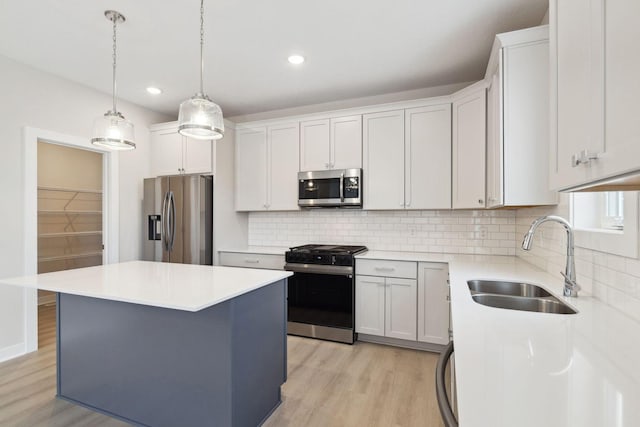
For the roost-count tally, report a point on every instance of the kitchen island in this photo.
(161, 344)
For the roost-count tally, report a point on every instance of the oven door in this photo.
(321, 306)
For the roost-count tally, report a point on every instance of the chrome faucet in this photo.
(570, 286)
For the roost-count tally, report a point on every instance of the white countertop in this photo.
(176, 286)
(516, 368)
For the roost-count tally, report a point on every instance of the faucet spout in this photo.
(570, 286)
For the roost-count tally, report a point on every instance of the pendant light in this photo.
(199, 117)
(112, 130)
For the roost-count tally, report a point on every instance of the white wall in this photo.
(461, 231)
(30, 97)
(229, 226)
(613, 279)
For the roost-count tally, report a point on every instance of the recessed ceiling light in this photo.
(154, 90)
(296, 59)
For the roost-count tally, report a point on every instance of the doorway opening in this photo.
(69, 210)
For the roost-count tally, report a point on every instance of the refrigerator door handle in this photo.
(172, 202)
(165, 221)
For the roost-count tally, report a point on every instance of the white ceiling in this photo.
(354, 48)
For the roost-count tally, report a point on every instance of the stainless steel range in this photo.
(322, 292)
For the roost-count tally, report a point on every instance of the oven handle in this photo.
(337, 270)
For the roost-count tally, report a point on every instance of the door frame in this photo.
(110, 213)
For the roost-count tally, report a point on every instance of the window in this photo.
(613, 212)
(606, 221)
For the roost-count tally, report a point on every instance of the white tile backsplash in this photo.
(611, 278)
(467, 232)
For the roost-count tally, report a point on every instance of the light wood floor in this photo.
(329, 384)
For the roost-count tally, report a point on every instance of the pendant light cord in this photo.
(201, 46)
(114, 20)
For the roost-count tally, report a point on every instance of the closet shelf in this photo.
(70, 190)
(62, 211)
(71, 234)
(69, 256)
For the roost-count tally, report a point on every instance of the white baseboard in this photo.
(12, 351)
(414, 345)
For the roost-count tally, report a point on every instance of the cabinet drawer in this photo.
(387, 268)
(249, 260)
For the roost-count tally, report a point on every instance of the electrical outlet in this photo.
(413, 229)
(483, 232)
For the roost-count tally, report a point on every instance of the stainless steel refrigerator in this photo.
(178, 219)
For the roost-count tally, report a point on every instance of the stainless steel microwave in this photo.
(330, 188)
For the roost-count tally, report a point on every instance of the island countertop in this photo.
(176, 286)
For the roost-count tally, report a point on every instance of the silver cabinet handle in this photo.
(583, 158)
(481, 201)
(252, 261)
(385, 269)
(342, 187)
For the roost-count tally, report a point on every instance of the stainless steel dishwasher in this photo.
(445, 400)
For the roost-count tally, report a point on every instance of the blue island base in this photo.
(157, 367)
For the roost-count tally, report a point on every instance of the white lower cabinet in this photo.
(412, 307)
(252, 260)
(370, 305)
(400, 308)
(386, 306)
(433, 303)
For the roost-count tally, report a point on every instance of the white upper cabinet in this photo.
(518, 120)
(469, 145)
(173, 154)
(331, 143)
(383, 160)
(407, 158)
(315, 152)
(346, 142)
(595, 67)
(267, 168)
(251, 169)
(428, 157)
(282, 170)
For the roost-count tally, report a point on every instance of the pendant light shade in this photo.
(199, 117)
(112, 130)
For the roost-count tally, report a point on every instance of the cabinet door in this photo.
(251, 169)
(577, 87)
(428, 157)
(494, 141)
(383, 160)
(622, 71)
(166, 152)
(198, 156)
(433, 303)
(469, 146)
(314, 145)
(283, 167)
(370, 306)
(400, 308)
(346, 142)
(526, 124)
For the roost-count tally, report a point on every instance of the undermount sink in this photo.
(540, 305)
(507, 288)
(516, 296)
